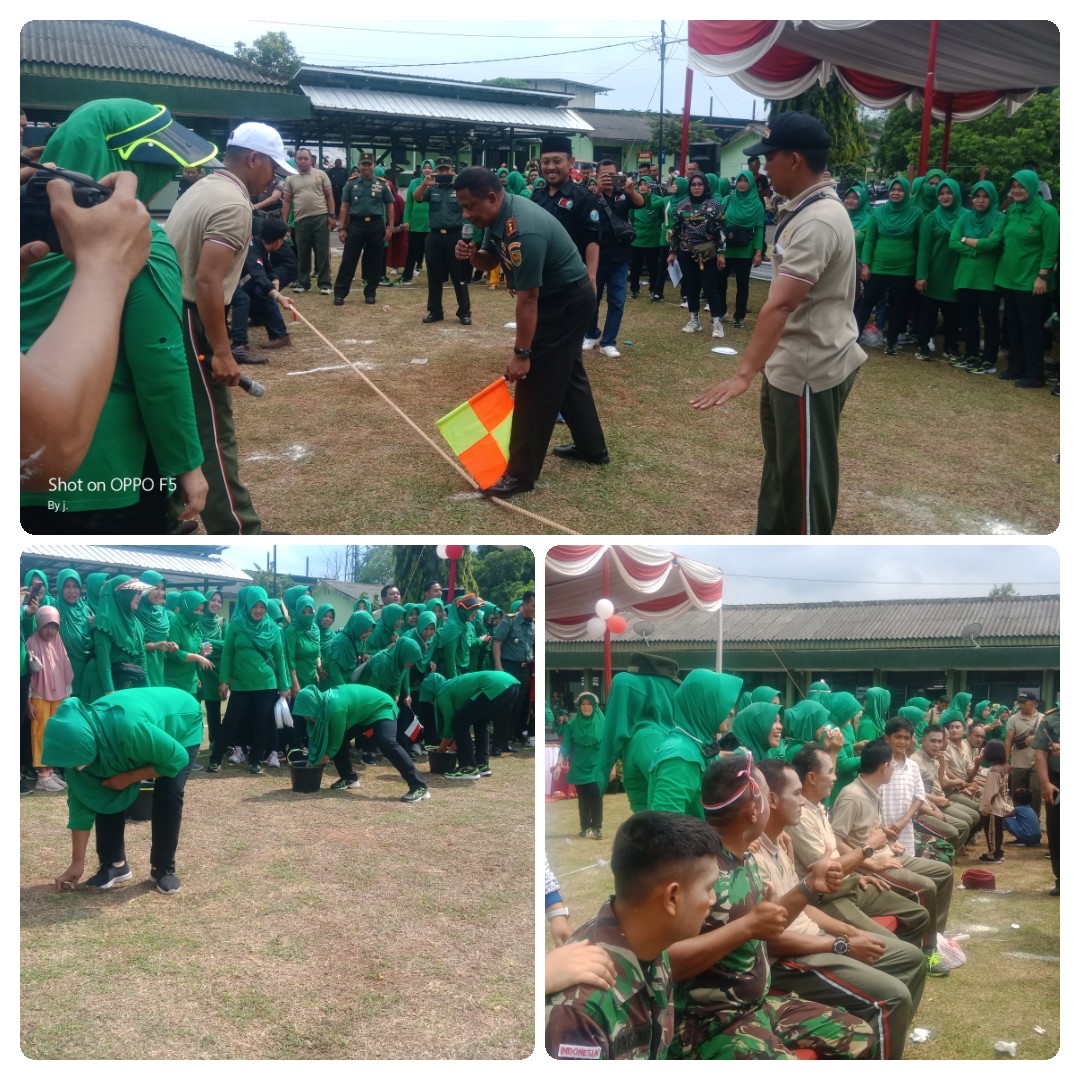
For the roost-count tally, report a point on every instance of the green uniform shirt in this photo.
(106, 654)
(535, 250)
(936, 262)
(889, 254)
(473, 684)
(360, 706)
(301, 653)
(1030, 242)
(245, 667)
(367, 198)
(443, 209)
(179, 671)
(416, 213)
(648, 222)
(1049, 732)
(675, 785)
(976, 266)
(517, 635)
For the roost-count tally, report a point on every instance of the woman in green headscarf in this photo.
(276, 610)
(76, 632)
(303, 643)
(391, 620)
(439, 608)
(480, 654)
(388, 669)
(805, 722)
(37, 596)
(819, 692)
(423, 633)
(887, 260)
(154, 617)
(845, 711)
(292, 598)
(744, 230)
(347, 648)
(1025, 275)
(935, 274)
(759, 729)
(416, 219)
(924, 189)
(107, 749)
(702, 704)
(147, 427)
(996, 723)
(363, 604)
(959, 709)
(875, 714)
(455, 638)
(648, 223)
(857, 204)
(189, 657)
(976, 241)
(94, 584)
(172, 601)
(119, 646)
(212, 629)
(252, 676)
(515, 184)
(324, 620)
(765, 694)
(581, 739)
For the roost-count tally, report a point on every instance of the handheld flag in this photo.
(479, 432)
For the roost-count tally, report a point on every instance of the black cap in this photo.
(556, 144)
(1025, 696)
(792, 131)
(444, 163)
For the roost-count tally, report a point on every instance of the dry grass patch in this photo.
(340, 925)
(1009, 985)
(925, 448)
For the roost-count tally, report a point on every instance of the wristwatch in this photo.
(525, 354)
(811, 896)
(867, 852)
(840, 945)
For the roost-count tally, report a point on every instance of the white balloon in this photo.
(596, 627)
(441, 551)
(605, 609)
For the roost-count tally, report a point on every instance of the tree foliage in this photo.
(265, 578)
(502, 80)
(376, 563)
(504, 576)
(839, 112)
(1008, 589)
(273, 54)
(1001, 143)
(699, 133)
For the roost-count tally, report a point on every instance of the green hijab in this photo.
(94, 584)
(702, 703)
(383, 634)
(876, 708)
(316, 706)
(292, 596)
(763, 694)
(264, 634)
(117, 621)
(976, 712)
(912, 713)
(74, 618)
(752, 726)
(154, 617)
(744, 208)
(802, 722)
(276, 612)
(944, 219)
(363, 604)
(980, 224)
(957, 708)
(587, 730)
(439, 608)
(682, 187)
(898, 219)
(924, 194)
(843, 708)
(45, 599)
(431, 685)
(344, 648)
(189, 601)
(746, 699)
(325, 634)
(426, 619)
(861, 214)
(172, 601)
(819, 692)
(919, 702)
(210, 625)
(305, 624)
(515, 182)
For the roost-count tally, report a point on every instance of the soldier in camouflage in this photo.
(664, 867)
(723, 1007)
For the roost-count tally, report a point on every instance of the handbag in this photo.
(623, 230)
(739, 235)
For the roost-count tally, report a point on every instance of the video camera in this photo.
(35, 211)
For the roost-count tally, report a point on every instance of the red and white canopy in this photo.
(883, 62)
(643, 581)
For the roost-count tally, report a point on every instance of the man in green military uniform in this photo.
(513, 649)
(366, 223)
(664, 866)
(555, 304)
(1047, 747)
(444, 231)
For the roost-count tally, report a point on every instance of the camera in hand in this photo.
(35, 211)
(444, 179)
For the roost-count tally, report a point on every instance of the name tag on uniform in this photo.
(566, 204)
(571, 1051)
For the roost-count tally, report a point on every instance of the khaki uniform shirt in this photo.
(928, 767)
(778, 870)
(819, 343)
(958, 760)
(857, 811)
(308, 191)
(1023, 725)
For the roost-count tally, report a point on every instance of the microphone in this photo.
(467, 232)
(252, 387)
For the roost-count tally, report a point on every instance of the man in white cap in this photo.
(211, 229)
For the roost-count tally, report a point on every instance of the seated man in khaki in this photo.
(873, 975)
(961, 767)
(858, 811)
(862, 894)
(953, 823)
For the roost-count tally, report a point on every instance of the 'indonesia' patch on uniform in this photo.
(569, 1050)
(567, 204)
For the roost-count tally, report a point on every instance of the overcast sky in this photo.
(330, 37)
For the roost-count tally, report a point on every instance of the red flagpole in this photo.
(928, 100)
(607, 632)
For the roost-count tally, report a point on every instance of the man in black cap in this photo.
(554, 302)
(444, 231)
(572, 206)
(366, 223)
(805, 338)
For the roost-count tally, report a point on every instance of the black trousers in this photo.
(26, 754)
(994, 834)
(471, 722)
(899, 289)
(249, 720)
(1024, 318)
(649, 258)
(364, 238)
(213, 720)
(441, 264)
(165, 816)
(415, 257)
(1053, 827)
(590, 806)
(698, 279)
(926, 326)
(975, 304)
(557, 383)
(740, 268)
(384, 733)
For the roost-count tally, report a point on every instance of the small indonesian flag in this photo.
(479, 432)
(414, 729)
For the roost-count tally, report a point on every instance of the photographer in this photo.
(145, 445)
(444, 231)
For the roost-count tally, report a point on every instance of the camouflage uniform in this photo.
(726, 1013)
(634, 1020)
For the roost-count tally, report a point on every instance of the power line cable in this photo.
(436, 33)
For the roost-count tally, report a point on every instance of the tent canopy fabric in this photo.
(653, 584)
(882, 62)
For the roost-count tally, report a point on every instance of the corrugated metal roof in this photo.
(429, 107)
(135, 558)
(1002, 619)
(352, 589)
(131, 46)
(622, 127)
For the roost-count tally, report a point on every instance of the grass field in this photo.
(1009, 985)
(925, 448)
(340, 925)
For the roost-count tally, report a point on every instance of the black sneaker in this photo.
(368, 759)
(496, 751)
(485, 768)
(214, 766)
(108, 876)
(343, 785)
(25, 786)
(255, 770)
(416, 795)
(984, 367)
(738, 324)
(920, 354)
(890, 350)
(167, 882)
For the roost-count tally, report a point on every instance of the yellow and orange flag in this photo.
(478, 432)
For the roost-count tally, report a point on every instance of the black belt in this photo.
(456, 228)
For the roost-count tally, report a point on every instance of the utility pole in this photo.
(660, 140)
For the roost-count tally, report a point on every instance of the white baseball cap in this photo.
(263, 139)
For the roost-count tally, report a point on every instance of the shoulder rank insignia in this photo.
(511, 226)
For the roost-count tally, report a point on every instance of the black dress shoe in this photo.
(242, 356)
(506, 486)
(1007, 376)
(338, 301)
(571, 452)
(1030, 384)
(369, 299)
(431, 318)
(465, 320)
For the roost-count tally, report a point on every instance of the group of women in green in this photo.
(934, 251)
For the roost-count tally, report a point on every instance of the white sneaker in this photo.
(685, 304)
(693, 326)
(299, 288)
(325, 292)
(610, 350)
(530, 741)
(717, 328)
(272, 761)
(238, 757)
(707, 308)
(52, 782)
(589, 343)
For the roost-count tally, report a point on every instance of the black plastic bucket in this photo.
(441, 761)
(142, 808)
(305, 778)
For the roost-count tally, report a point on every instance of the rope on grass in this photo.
(430, 441)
